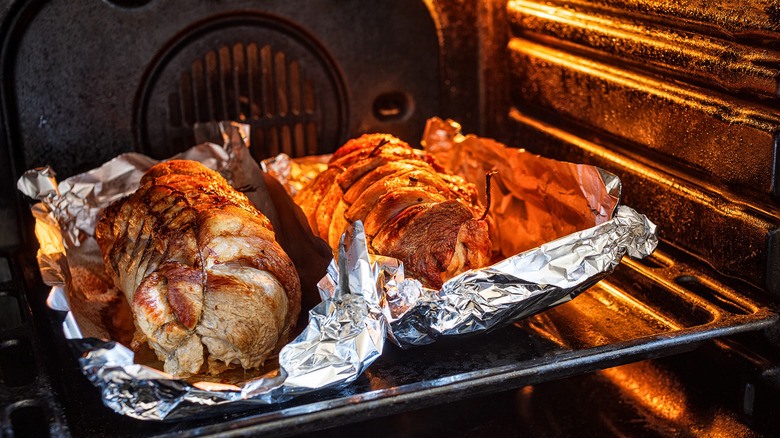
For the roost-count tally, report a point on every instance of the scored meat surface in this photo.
(209, 287)
(411, 208)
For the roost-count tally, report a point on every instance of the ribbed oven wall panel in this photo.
(727, 138)
(734, 236)
(729, 64)
(756, 19)
(679, 102)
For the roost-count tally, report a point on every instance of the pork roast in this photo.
(209, 287)
(411, 208)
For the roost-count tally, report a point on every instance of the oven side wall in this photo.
(680, 103)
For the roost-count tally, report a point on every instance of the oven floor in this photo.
(688, 395)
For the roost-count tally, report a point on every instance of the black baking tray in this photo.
(655, 307)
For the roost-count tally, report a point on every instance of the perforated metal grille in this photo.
(253, 84)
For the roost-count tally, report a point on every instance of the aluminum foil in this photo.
(365, 299)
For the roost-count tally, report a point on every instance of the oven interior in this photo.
(679, 101)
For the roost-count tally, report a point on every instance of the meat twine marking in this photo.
(379, 146)
(488, 177)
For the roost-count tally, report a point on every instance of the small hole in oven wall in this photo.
(17, 363)
(393, 106)
(29, 420)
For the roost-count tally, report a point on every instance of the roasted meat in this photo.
(209, 287)
(411, 208)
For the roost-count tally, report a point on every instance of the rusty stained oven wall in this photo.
(681, 101)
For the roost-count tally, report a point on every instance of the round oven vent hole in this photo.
(17, 364)
(394, 106)
(29, 420)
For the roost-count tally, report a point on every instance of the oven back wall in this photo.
(90, 80)
(83, 82)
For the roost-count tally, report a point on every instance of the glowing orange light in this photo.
(213, 386)
(645, 384)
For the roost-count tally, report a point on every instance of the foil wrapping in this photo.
(365, 299)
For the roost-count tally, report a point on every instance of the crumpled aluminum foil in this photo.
(366, 299)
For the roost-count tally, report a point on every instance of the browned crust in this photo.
(392, 168)
(163, 232)
(370, 197)
(425, 238)
(366, 144)
(411, 207)
(268, 254)
(395, 202)
(324, 212)
(310, 197)
(184, 282)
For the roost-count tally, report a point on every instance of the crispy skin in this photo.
(310, 196)
(338, 225)
(369, 199)
(367, 145)
(324, 213)
(365, 165)
(411, 208)
(208, 285)
(425, 237)
(395, 202)
(392, 168)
